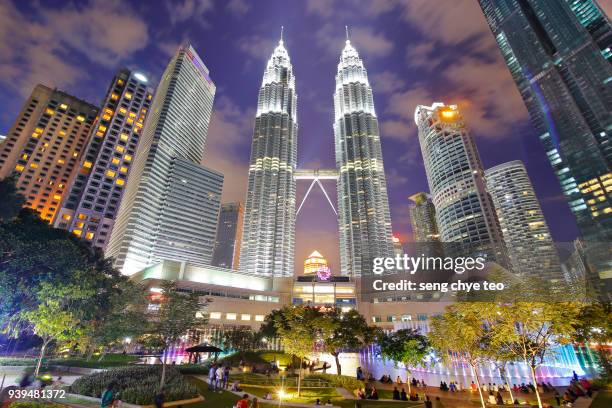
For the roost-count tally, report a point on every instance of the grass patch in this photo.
(109, 360)
(9, 361)
(256, 357)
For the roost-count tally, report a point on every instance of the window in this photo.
(259, 318)
(215, 315)
(230, 316)
(245, 317)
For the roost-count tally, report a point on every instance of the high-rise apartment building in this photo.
(229, 232)
(268, 237)
(171, 204)
(44, 147)
(91, 205)
(531, 250)
(423, 218)
(363, 206)
(558, 53)
(464, 209)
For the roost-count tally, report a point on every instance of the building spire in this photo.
(281, 37)
(348, 40)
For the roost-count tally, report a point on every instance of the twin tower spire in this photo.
(268, 240)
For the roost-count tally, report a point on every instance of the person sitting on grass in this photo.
(243, 402)
(318, 402)
(396, 393)
(398, 380)
(329, 403)
(109, 396)
(374, 394)
(361, 394)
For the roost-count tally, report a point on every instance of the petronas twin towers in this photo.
(364, 220)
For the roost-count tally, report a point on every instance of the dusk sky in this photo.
(415, 51)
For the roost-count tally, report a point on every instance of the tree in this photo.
(594, 324)
(241, 339)
(407, 346)
(176, 316)
(300, 328)
(530, 330)
(12, 200)
(53, 319)
(350, 331)
(122, 318)
(460, 329)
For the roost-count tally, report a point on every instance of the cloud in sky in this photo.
(229, 136)
(180, 11)
(42, 44)
(367, 41)
(238, 7)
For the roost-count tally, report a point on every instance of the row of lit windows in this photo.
(234, 316)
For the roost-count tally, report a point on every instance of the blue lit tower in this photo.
(558, 53)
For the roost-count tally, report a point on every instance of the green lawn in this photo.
(109, 360)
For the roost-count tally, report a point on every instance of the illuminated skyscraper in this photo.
(464, 209)
(269, 219)
(229, 232)
(530, 247)
(558, 53)
(170, 207)
(363, 206)
(44, 146)
(423, 218)
(95, 194)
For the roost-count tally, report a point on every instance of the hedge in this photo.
(343, 381)
(33, 404)
(137, 384)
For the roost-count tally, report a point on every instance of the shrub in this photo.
(192, 369)
(137, 384)
(33, 404)
(6, 361)
(343, 381)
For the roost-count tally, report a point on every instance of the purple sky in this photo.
(416, 52)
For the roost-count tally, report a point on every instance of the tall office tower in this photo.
(94, 196)
(530, 247)
(423, 218)
(556, 53)
(268, 237)
(229, 232)
(363, 206)
(594, 19)
(171, 204)
(464, 209)
(397, 246)
(44, 146)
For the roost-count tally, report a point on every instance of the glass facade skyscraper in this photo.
(268, 236)
(531, 250)
(229, 233)
(423, 218)
(90, 208)
(363, 205)
(558, 53)
(465, 213)
(170, 207)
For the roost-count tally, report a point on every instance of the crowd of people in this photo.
(218, 378)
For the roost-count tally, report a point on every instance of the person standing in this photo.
(219, 378)
(212, 372)
(226, 374)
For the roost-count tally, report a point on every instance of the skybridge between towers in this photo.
(316, 175)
